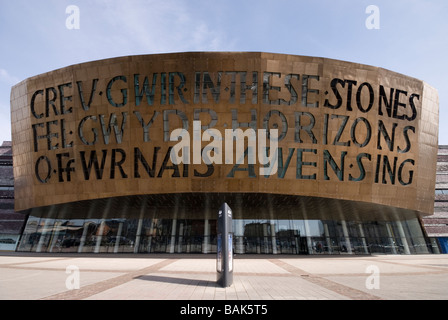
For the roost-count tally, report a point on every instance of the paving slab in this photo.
(26, 276)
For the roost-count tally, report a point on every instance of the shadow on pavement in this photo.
(189, 282)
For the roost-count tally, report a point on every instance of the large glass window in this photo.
(175, 229)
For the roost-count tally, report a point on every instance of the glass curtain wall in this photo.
(251, 236)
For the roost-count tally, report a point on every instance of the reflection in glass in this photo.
(171, 228)
(250, 236)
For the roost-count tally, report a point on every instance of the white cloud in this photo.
(5, 123)
(159, 26)
(8, 79)
(6, 82)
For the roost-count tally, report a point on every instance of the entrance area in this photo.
(199, 236)
(186, 223)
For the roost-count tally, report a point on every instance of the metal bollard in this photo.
(224, 258)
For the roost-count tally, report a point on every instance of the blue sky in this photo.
(412, 39)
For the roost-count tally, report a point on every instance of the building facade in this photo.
(436, 225)
(11, 222)
(136, 154)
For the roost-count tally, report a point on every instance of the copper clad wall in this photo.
(333, 129)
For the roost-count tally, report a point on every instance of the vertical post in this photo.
(391, 238)
(404, 241)
(346, 237)
(55, 235)
(205, 241)
(138, 235)
(327, 238)
(173, 235)
(363, 238)
(151, 234)
(224, 258)
(117, 239)
(308, 237)
(83, 237)
(99, 236)
(181, 236)
(273, 238)
(43, 236)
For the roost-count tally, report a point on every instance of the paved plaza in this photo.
(27, 276)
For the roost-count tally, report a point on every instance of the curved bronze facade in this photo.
(353, 163)
(346, 131)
